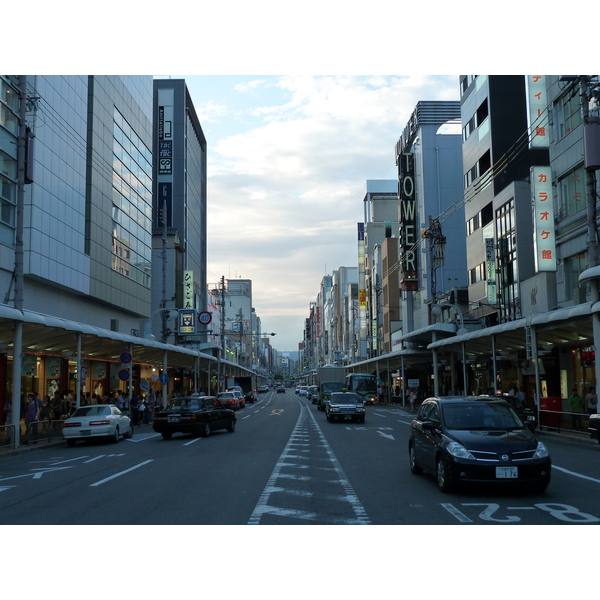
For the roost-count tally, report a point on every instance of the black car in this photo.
(280, 389)
(594, 427)
(198, 415)
(345, 406)
(528, 415)
(476, 439)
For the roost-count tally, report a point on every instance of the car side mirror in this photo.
(428, 425)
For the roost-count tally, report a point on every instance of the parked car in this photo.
(345, 406)
(229, 400)
(97, 421)
(198, 415)
(281, 389)
(594, 427)
(312, 393)
(477, 439)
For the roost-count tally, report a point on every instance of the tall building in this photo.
(180, 203)
(497, 160)
(380, 205)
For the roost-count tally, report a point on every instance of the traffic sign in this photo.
(164, 378)
(186, 321)
(204, 317)
(126, 357)
(124, 374)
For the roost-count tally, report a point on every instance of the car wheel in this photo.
(116, 436)
(414, 467)
(206, 430)
(166, 435)
(129, 434)
(443, 479)
(231, 426)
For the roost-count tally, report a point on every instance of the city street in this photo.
(284, 464)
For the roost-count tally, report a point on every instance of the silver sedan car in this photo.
(97, 421)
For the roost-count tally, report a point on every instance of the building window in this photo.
(132, 203)
(567, 115)
(571, 193)
(574, 265)
(507, 268)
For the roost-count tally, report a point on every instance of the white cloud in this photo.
(285, 196)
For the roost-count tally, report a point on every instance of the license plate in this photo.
(507, 473)
(173, 419)
(85, 432)
(347, 417)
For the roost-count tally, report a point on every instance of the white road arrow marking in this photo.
(385, 435)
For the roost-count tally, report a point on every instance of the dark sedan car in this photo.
(345, 406)
(476, 439)
(198, 415)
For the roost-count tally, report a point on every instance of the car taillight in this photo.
(72, 424)
(103, 422)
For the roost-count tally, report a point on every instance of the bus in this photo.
(364, 385)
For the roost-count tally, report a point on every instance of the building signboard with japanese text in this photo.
(543, 219)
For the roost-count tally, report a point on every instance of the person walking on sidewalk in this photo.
(576, 404)
(591, 401)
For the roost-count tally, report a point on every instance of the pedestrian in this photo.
(46, 412)
(119, 401)
(576, 404)
(412, 397)
(32, 415)
(591, 401)
(141, 410)
(133, 409)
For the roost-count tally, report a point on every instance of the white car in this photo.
(97, 421)
(303, 390)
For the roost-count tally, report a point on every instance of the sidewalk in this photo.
(44, 442)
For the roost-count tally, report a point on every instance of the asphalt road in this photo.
(283, 465)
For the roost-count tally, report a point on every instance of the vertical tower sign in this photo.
(543, 219)
(408, 222)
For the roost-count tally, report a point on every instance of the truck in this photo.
(330, 378)
(247, 385)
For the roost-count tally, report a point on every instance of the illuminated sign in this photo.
(188, 289)
(490, 262)
(186, 321)
(537, 97)
(543, 219)
(408, 222)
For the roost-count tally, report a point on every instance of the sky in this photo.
(288, 161)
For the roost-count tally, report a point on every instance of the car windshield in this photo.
(186, 404)
(90, 411)
(481, 415)
(347, 398)
(226, 395)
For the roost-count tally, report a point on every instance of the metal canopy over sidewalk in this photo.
(45, 334)
(562, 326)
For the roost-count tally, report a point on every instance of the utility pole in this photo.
(18, 298)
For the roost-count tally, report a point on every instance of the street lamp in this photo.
(171, 314)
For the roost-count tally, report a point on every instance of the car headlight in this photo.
(459, 451)
(335, 408)
(541, 451)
